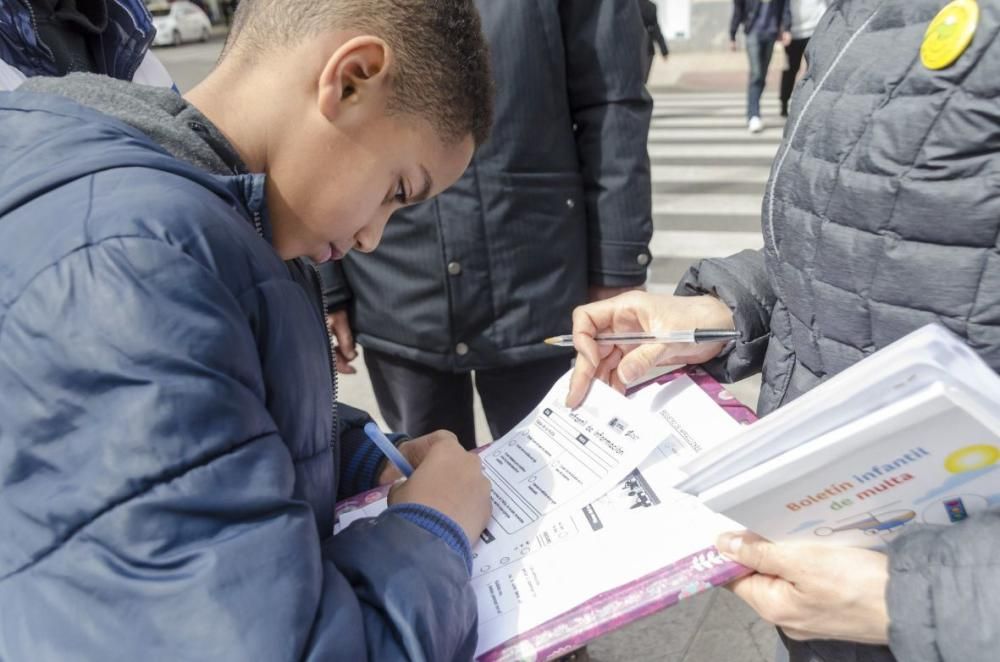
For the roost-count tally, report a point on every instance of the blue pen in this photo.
(388, 449)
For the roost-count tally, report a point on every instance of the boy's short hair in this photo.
(442, 58)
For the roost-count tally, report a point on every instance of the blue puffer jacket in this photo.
(168, 457)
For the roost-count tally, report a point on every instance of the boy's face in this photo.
(333, 186)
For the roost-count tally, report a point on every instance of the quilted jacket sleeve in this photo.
(742, 283)
(942, 596)
(147, 506)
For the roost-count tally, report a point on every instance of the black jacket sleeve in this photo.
(741, 282)
(739, 15)
(612, 111)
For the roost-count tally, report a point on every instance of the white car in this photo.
(179, 22)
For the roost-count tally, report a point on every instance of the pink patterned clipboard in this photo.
(615, 609)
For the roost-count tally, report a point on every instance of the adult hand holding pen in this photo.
(619, 365)
(447, 478)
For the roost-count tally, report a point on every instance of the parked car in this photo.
(179, 22)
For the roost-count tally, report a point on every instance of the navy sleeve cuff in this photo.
(439, 525)
(361, 461)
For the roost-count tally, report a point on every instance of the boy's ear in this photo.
(355, 75)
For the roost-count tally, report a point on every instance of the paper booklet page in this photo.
(931, 458)
(558, 457)
(637, 528)
(928, 355)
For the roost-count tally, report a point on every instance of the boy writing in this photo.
(170, 445)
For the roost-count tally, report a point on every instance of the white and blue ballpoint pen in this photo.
(388, 449)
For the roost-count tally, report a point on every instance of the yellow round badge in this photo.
(949, 34)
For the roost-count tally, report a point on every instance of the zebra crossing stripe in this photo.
(709, 176)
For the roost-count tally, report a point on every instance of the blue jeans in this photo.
(759, 50)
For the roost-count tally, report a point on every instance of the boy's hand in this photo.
(339, 326)
(450, 480)
(813, 591)
(414, 450)
(620, 365)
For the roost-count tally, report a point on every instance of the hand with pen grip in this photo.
(640, 312)
(447, 478)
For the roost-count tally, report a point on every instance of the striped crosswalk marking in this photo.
(709, 175)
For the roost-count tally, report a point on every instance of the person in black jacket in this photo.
(805, 17)
(764, 22)
(654, 34)
(555, 210)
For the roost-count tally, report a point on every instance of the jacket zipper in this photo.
(34, 26)
(259, 227)
(330, 353)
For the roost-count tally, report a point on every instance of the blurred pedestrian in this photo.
(228, 9)
(204, 6)
(655, 38)
(555, 210)
(805, 17)
(764, 22)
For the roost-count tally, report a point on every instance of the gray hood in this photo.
(160, 113)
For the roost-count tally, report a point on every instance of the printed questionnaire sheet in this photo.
(638, 527)
(554, 458)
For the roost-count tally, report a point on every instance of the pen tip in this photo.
(551, 341)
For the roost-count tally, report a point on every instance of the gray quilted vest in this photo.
(883, 207)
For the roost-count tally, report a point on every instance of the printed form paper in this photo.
(695, 422)
(554, 458)
(636, 528)
(569, 522)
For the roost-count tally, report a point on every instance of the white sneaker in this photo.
(755, 125)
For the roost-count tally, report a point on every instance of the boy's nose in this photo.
(369, 237)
